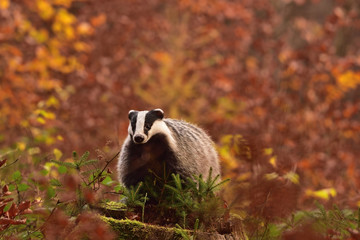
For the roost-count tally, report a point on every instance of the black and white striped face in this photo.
(145, 124)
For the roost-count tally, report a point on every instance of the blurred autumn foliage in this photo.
(275, 83)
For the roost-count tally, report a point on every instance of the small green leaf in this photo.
(50, 192)
(75, 156)
(62, 169)
(84, 156)
(118, 188)
(55, 182)
(7, 207)
(107, 181)
(12, 187)
(16, 176)
(44, 172)
(22, 187)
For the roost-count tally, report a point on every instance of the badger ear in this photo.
(158, 113)
(131, 114)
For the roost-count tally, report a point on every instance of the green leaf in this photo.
(16, 176)
(7, 207)
(85, 163)
(12, 187)
(62, 169)
(55, 183)
(107, 181)
(66, 164)
(22, 187)
(44, 172)
(75, 156)
(50, 192)
(84, 157)
(118, 188)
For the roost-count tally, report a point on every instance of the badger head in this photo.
(145, 124)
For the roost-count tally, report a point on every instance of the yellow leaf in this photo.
(348, 80)
(52, 101)
(41, 120)
(21, 145)
(58, 154)
(292, 176)
(69, 32)
(4, 4)
(81, 47)
(51, 168)
(272, 161)
(46, 11)
(60, 138)
(271, 176)
(64, 17)
(322, 194)
(268, 151)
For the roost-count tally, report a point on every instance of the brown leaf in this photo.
(27, 211)
(5, 189)
(2, 162)
(24, 205)
(12, 221)
(354, 234)
(13, 211)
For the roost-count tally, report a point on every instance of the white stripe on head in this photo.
(140, 123)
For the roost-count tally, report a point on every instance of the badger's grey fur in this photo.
(153, 139)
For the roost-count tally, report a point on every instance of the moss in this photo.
(113, 205)
(134, 230)
(111, 209)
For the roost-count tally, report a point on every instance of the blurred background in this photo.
(275, 83)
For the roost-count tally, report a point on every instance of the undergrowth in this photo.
(62, 192)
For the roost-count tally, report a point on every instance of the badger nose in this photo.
(138, 138)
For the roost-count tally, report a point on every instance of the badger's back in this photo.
(194, 149)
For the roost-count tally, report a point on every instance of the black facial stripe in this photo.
(150, 118)
(133, 121)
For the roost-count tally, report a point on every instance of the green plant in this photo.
(195, 199)
(134, 197)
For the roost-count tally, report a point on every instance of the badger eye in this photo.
(147, 127)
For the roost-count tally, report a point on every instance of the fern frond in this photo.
(65, 164)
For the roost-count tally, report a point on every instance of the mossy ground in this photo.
(133, 229)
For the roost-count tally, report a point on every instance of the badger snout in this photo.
(139, 138)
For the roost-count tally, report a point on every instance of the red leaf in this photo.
(5, 190)
(24, 205)
(13, 211)
(12, 221)
(6, 200)
(27, 211)
(2, 162)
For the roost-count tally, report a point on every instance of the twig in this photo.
(8, 165)
(104, 168)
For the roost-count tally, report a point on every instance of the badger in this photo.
(154, 140)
